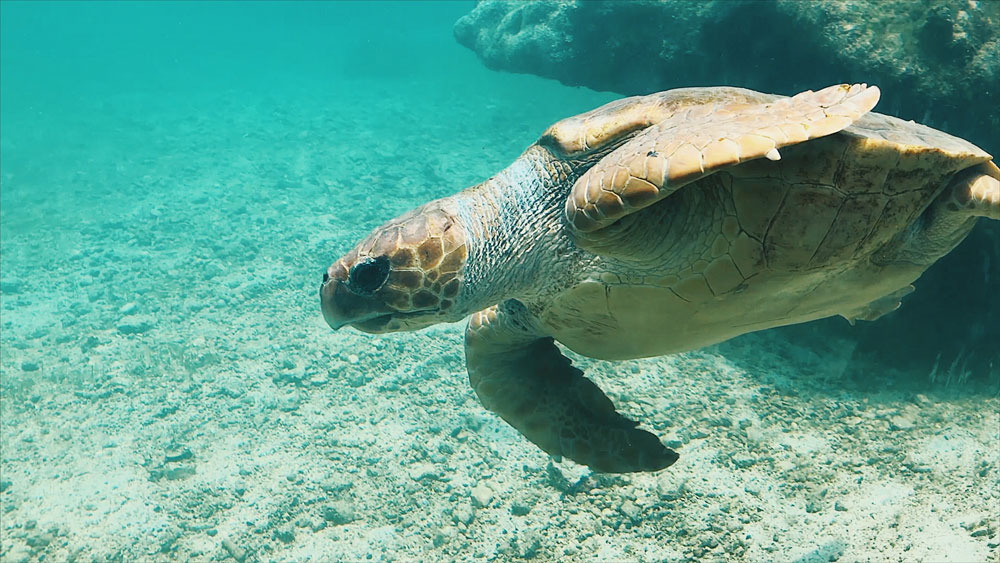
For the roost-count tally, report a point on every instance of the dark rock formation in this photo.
(934, 59)
(937, 62)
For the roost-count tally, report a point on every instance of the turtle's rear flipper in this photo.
(526, 380)
(880, 307)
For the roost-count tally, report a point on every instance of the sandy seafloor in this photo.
(171, 392)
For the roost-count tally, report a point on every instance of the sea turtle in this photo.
(658, 224)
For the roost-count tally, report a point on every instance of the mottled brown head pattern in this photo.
(405, 275)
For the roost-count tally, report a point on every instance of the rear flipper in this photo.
(879, 307)
(526, 380)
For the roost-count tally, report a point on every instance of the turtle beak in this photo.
(340, 306)
(331, 312)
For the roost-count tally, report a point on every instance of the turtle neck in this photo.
(514, 230)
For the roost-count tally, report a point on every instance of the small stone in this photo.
(38, 332)
(89, 343)
(463, 513)
(19, 553)
(518, 509)
(352, 358)
(839, 507)
(10, 286)
(721, 421)
(128, 308)
(336, 484)
(237, 553)
(40, 540)
(630, 510)
(482, 495)
(135, 324)
(670, 490)
(339, 512)
(755, 436)
(673, 444)
(177, 454)
(29, 366)
(901, 422)
(448, 533)
(530, 546)
(832, 550)
(178, 473)
(422, 471)
(971, 521)
(566, 479)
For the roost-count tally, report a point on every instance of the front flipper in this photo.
(703, 140)
(522, 376)
(976, 191)
(972, 193)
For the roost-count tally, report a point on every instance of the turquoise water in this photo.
(174, 178)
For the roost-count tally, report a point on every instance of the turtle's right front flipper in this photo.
(526, 380)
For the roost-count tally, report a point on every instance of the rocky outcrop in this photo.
(934, 59)
(937, 62)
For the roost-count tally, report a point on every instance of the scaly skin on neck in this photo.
(516, 243)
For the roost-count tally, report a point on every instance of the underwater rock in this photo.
(482, 495)
(284, 535)
(10, 286)
(40, 540)
(424, 471)
(236, 552)
(943, 52)
(339, 512)
(901, 422)
(832, 550)
(177, 473)
(18, 553)
(463, 513)
(520, 509)
(135, 324)
(177, 453)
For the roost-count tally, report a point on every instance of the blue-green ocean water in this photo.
(175, 177)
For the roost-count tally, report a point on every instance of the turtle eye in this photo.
(368, 275)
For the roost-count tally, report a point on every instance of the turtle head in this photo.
(406, 275)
